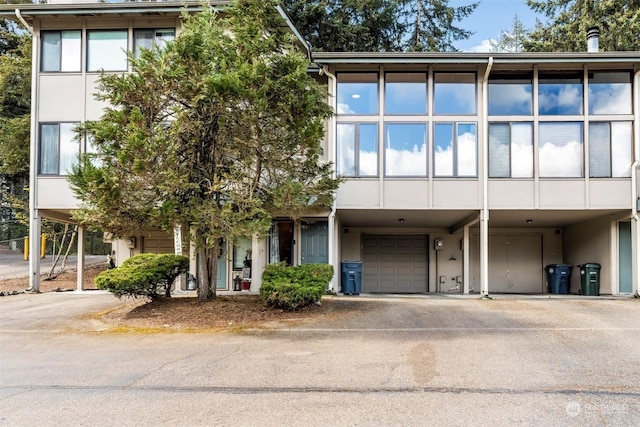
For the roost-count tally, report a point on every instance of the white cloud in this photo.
(558, 161)
(615, 99)
(405, 162)
(484, 46)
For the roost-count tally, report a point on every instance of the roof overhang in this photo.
(379, 58)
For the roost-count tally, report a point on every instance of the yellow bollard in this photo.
(26, 249)
(43, 245)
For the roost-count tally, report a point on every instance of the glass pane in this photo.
(142, 39)
(49, 149)
(357, 98)
(346, 149)
(560, 149)
(51, 42)
(522, 150)
(621, 149)
(368, 143)
(499, 150)
(443, 155)
(610, 93)
(406, 93)
(107, 50)
(510, 95)
(560, 94)
(599, 150)
(405, 149)
(164, 36)
(71, 51)
(467, 149)
(69, 148)
(455, 93)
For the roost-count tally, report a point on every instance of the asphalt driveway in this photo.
(402, 361)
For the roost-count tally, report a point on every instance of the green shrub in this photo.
(145, 275)
(293, 288)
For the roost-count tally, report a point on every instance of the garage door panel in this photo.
(395, 263)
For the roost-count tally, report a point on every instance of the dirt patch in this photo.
(66, 281)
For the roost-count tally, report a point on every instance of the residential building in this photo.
(464, 172)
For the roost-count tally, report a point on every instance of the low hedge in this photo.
(145, 275)
(293, 288)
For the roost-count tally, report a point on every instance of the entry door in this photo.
(515, 264)
(624, 257)
(314, 242)
(221, 279)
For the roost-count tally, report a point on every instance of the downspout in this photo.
(635, 196)
(484, 214)
(331, 220)
(34, 217)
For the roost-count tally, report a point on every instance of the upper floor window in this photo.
(610, 93)
(560, 149)
(511, 150)
(405, 149)
(610, 149)
(147, 38)
(358, 93)
(106, 50)
(560, 94)
(405, 93)
(455, 150)
(357, 149)
(455, 93)
(59, 148)
(510, 95)
(61, 51)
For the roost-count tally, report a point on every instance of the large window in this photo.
(61, 51)
(59, 148)
(560, 150)
(560, 94)
(358, 93)
(610, 149)
(405, 93)
(106, 50)
(357, 149)
(455, 93)
(510, 95)
(610, 93)
(148, 38)
(511, 150)
(405, 149)
(455, 150)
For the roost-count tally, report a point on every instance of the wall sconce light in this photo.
(529, 221)
(401, 220)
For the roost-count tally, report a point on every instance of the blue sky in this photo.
(490, 18)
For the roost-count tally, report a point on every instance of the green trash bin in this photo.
(590, 279)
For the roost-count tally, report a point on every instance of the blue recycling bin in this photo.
(351, 277)
(559, 278)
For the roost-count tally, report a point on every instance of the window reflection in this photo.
(360, 138)
(610, 149)
(406, 149)
(455, 93)
(357, 93)
(510, 95)
(511, 150)
(560, 94)
(406, 93)
(106, 50)
(560, 150)
(455, 153)
(610, 93)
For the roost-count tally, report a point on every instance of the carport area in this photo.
(440, 251)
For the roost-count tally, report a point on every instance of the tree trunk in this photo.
(208, 271)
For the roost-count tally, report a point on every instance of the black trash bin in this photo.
(590, 279)
(559, 278)
(351, 277)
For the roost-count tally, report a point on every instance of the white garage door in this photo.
(394, 263)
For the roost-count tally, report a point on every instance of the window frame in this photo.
(425, 125)
(43, 51)
(136, 48)
(88, 50)
(352, 78)
(356, 149)
(452, 74)
(59, 157)
(455, 148)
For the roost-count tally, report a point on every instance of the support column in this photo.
(34, 251)
(484, 253)
(80, 262)
(466, 275)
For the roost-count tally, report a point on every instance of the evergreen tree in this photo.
(511, 40)
(569, 20)
(218, 130)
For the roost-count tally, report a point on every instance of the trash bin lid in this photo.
(590, 265)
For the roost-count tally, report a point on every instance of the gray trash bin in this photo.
(559, 278)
